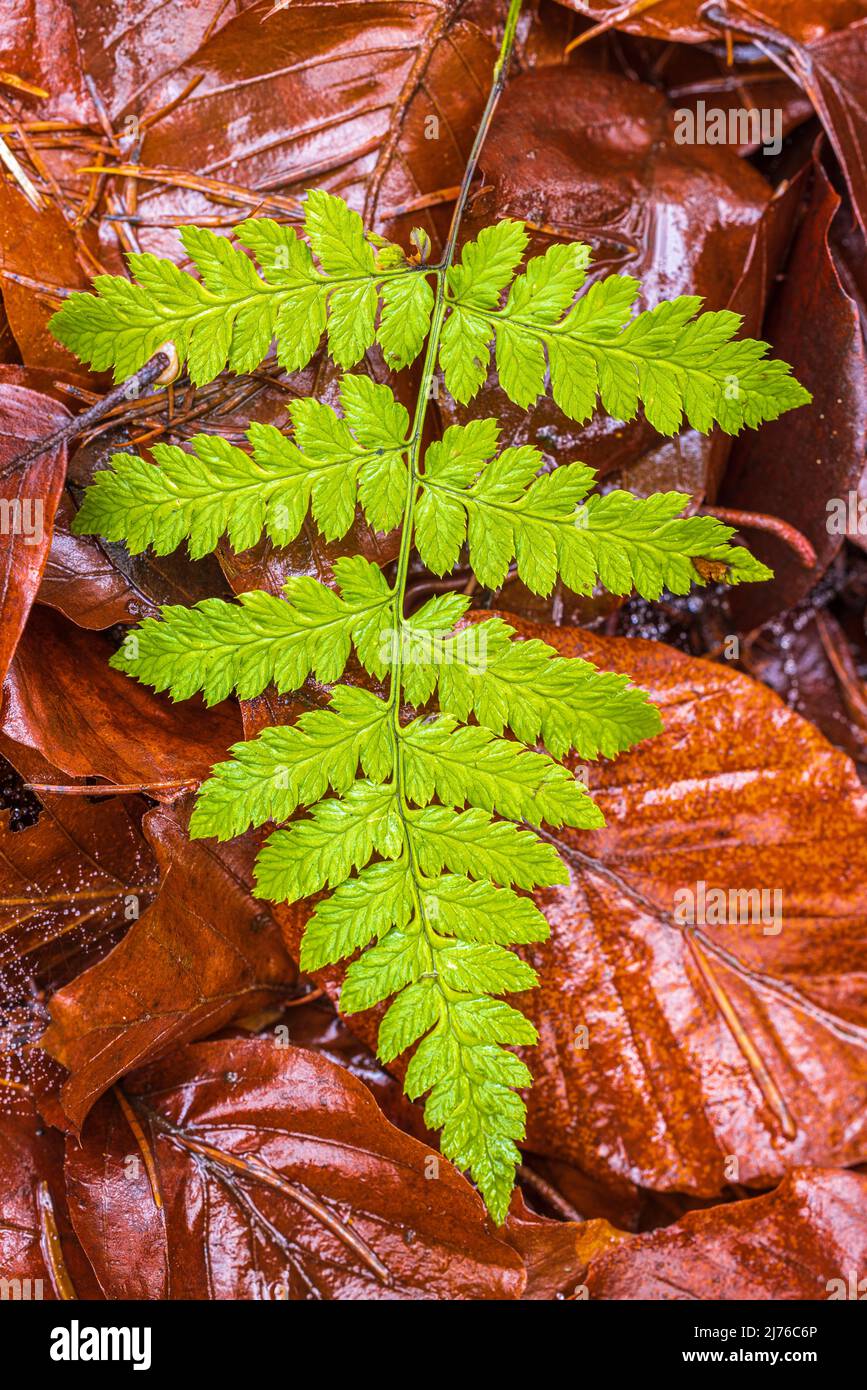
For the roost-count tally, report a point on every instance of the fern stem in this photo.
(501, 68)
(413, 455)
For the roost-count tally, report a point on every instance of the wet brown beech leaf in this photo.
(741, 1038)
(348, 106)
(823, 49)
(556, 1253)
(686, 21)
(32, 769)
(98, 583)
(62, 697)
(795, 471)
(617, 1201)
(39, 260)
(313, 1023)
(666, 1048)
(58, 385)
(37, 1244)
(28, 497)
(67, 884)
(317, 1026)
(90, 60)
(276, 1176)
(830, 69)
(806, 1240)
(81, 581)
(38, 44)
(745, 81)
(204, 953)
(126, 47)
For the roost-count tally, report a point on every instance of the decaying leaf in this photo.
(205, 953)
(261, 1171)
(62, 697)
(29, 494)
(39, 1254)
(806, 475)
(806, 1240)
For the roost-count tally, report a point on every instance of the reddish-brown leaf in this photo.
(805, 657)
(793, 468)
(556, 1253)
(299, 99)
(722, 1040)
(806, 1240)
(82, 582)
(40, 258)
(66, 884)
(822, 49)
(37, 1244)
(98, 583)
(205, 953)
(277, 1176)
(687, 21)
(28, 497)
(62, 697)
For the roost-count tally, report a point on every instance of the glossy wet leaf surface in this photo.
(697, 1116)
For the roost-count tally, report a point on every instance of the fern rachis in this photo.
(421, 827)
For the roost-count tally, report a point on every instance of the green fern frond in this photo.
(218, 647)
(413, 809)
(503, 508)
(523, 686)
(295, 764)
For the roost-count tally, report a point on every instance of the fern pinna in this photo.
(423, 827)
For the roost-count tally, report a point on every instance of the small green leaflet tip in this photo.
(423, 831)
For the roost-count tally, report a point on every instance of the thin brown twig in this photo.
(837, 651)
(219, 191)
(145, 376)
(550, 1194)
(774, 525)
(106, 789)
(18, 84)
(618, 16)
(151, 120)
